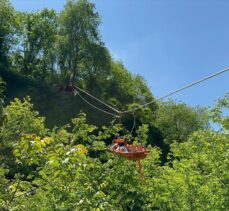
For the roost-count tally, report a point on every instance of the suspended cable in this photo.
(106, 112)
(114, 109)
(146, 104)
(176, 91)
(132, 130)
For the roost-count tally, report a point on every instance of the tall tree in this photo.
(36, 53)
(78, 32)
(7, 29)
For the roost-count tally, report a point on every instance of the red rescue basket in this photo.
(129, 151)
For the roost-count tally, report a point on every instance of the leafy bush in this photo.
(19, 118)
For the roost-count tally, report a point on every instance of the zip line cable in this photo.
(176, 91)
(106, 112)
(134, 124)
(114, 109)
(119, 113)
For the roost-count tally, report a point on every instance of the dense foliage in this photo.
(69, 168)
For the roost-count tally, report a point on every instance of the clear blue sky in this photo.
(169, 42)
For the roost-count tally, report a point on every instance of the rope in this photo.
(114, 109)
(13, 196)
(176, 91)
(106, 112)
(146, 104)
(133, 124)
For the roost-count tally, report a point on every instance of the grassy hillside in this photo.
(57, 106)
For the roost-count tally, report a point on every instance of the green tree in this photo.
(7, 30)
(217, 113)
(195, 177)
(95, 68)
(125, 88)
(78, 34)
(177, 121)
(198, 177)
(35, 55)
(19, 118)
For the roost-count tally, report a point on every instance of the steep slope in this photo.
(57, 106)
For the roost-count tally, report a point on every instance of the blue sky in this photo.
(169, 43)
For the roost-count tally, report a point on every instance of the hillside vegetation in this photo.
(57, 106)
(53, 145)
